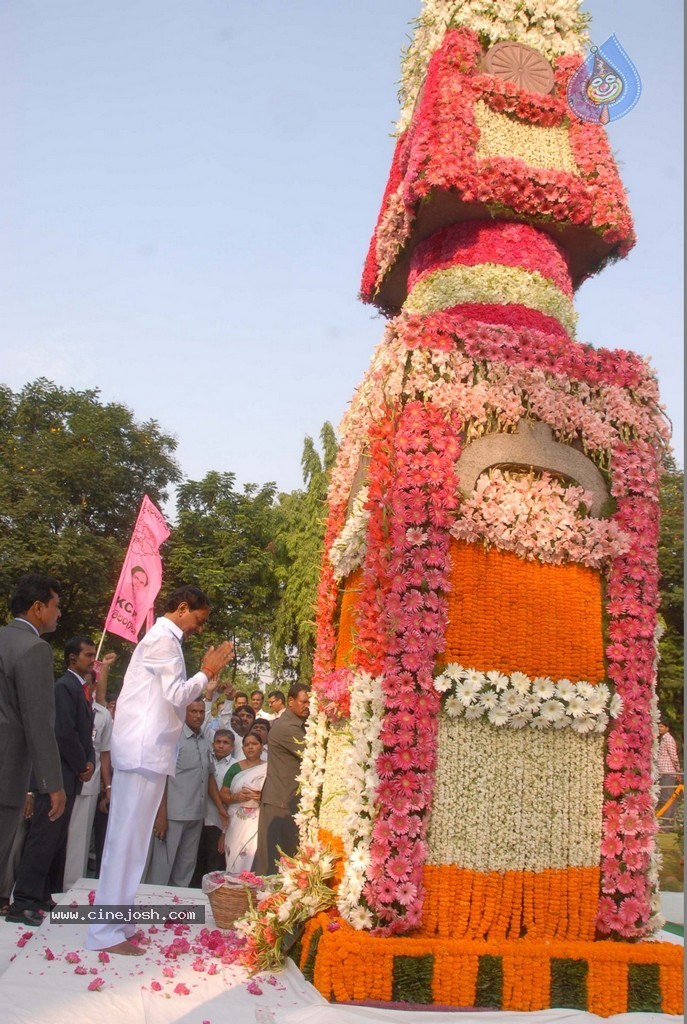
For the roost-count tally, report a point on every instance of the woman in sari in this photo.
(240, 793)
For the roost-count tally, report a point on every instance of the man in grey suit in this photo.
(279, 799)
(27, 705)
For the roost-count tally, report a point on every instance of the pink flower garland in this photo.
(421, 500)
(506, 244)
(629, 823)
(556, 353)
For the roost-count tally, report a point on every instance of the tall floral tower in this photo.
(483, 718)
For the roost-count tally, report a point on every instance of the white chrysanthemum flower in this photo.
(495, 677)
(520, 720)
(471, 675)
(539, 723)
(453, 707)
(596, 703)
(603, 690)
(520, 682)
(488, 699)
(562, 723)
(552, 711)
(616, 706)
(498, 715)
(359, 857)
(586, 689)
(360, 918)
(443, 683)
(453, 671)
(467, 691)
(565, 689)
(582, 725)
(532, 703)
(474, 712)
(601, 723)
(511, 701)
(543, 687)
(577, 707)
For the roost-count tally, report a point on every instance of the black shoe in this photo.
(26, 916)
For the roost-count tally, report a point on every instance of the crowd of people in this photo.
(176, 778)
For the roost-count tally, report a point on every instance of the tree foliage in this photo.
(73, 472)
(671, 563)
(299, 546)
(224, 543)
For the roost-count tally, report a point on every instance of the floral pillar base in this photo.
(604, 978)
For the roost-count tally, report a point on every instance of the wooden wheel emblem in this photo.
(520, 64)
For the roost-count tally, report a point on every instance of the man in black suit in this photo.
(27, 708)
(41, 869)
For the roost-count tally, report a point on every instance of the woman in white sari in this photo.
(240, 793)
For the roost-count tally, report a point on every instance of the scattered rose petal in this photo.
(80, 969)
(49, 955)
(96, 985)
(156, 986)
(91, 897)
(73, 958)
(92, 970)
(181, 990)
(103, 957)
(253, 988)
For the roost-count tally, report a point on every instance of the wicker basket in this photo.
(228, 902)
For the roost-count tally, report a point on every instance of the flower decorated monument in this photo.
(483, 722)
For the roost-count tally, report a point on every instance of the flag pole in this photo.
(97, 653)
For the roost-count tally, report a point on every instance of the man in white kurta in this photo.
(151, 709)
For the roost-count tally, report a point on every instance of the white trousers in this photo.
(79, 839)
(134, 802)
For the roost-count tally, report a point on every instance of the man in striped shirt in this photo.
(668, 770)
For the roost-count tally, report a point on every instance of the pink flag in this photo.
(141, 576)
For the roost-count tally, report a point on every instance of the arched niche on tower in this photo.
(532, 446)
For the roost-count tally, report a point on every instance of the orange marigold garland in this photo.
(520, 975)
(496, 620)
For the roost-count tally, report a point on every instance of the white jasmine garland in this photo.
(367, 706)
(517, 701)
(497, 800)
(311, 778)
(348, 550)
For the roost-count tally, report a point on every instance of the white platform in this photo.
(34, 990)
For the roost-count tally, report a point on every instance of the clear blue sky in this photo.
(189, 187)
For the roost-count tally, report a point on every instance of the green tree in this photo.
(671, 563)
(224, 543)
(73, 472)
(300, 537)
